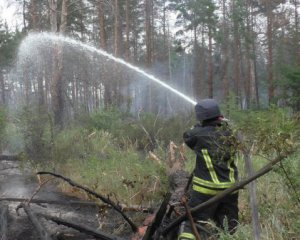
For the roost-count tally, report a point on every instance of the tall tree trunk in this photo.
(148, 33)
(225, 52)
(33, 15)
(127, 52)
(57, 86)
(148, 51)
(256, 88)
(210, 65)
(237, 57)
(248, 77)
(53, 15)
(271, 87)
(297, 35)
(63, 17)
(128, 23)
(103, 45)
(24, 16)
(117, 52)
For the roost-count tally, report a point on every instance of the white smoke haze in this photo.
(86, 64)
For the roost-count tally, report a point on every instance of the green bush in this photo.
(36, 130)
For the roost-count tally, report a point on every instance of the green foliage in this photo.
(270, 131)
(108, 120)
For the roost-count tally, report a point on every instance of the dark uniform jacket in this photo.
(214, 146)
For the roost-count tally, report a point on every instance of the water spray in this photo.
(58, 38)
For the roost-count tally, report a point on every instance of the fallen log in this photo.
(267, 168)
(158, 218)
(97, 195)
(9, 157)
(43, 233)
(3, 222)
(81, 228)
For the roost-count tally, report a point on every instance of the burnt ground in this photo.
(23, 183)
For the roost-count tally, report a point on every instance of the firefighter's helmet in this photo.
(207, 109)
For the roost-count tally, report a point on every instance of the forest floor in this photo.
(16, 183)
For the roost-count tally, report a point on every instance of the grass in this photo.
(95, 160)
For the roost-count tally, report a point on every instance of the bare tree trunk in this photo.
(248, 77)
(33, 15)
(117, 52)
(237, 67)
(57, 86)
(253, 22)
(24, 16)
(297, 43)
(63, 17)
(128, 22)
(271, 87)
(103, 45)
(53, 15)
(148, 51)
(210, 65)
(225, 52)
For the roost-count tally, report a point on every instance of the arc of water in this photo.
(88, 47)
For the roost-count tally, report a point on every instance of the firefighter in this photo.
(215, 170)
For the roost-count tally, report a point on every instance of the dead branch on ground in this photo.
(3, 222)
(43, 233)
(81, 228)
(97, 195)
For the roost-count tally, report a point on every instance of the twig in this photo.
(97, 195)
(290, 181)
(267, 168)
(188, 212)
(38, 189)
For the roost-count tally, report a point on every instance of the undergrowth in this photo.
(108, 152)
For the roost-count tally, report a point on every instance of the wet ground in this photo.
(23, 183)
